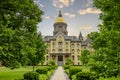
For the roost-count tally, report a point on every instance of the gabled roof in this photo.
(85, 43)
(65, 36)
(72, 38)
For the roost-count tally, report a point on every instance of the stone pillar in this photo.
(56, 59)
(63, 59)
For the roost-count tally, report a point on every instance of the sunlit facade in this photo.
(62, 46)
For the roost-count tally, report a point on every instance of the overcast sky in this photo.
(80, 16)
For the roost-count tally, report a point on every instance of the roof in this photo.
(85, 43)
(72, 38)
(60, 19)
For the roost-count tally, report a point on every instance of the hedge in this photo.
(42, 70)
(31, 76)
(73, 71)
(86, 76)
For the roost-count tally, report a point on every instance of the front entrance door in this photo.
(60, 60)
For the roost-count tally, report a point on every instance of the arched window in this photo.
(53, 44)
(60, 44)
(53, 50)
(53, 57)
(73, 51)
(59, 50)
(66, 50)
(78, 57)
(78, 51)
(72, 45)
(66, 45)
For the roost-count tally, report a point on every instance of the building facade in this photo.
(61, 46)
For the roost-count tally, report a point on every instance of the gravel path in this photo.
(59, 74)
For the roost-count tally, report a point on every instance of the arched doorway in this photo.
(60, 60)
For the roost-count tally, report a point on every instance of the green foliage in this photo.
(42, 70)
(69, 61)
(107, 43)
(66, 66)
(111, 78)
(86, 76)
(93, 35)
(18, 33)
(74, 70)
(85, 55)
(31, 76)
(52, 62)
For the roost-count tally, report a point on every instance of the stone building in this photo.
(62, 46)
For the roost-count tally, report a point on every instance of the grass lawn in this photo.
(8, 74)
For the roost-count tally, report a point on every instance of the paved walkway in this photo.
(59, 74)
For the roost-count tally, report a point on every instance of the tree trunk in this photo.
(33, 68)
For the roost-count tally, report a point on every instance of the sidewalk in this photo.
(59, 74)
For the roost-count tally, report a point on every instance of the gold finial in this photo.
(60, 13)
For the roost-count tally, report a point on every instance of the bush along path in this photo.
(59, 74)
(42, 73)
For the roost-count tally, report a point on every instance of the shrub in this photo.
(42, 70)
(86, 76)
(31, 76)
(66, 66)
(73, 71)
(52, 62)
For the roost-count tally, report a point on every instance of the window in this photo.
(72, 45)
(66, 45)
(78, 45)
(73, 51)
(59, 50)
(78, 51)
(53, 50)
(60, 44)
(53, 44)
(66, 50)
(53, 57)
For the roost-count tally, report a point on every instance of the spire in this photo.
(60, 19)
(80, 36)
(60, 13)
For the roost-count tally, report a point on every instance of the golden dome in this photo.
(60, 18)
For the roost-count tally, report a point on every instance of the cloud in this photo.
(90, 11)
(69, 15)
(89, 3)
(48, 17)
(86, 27)
(41, 5)
(62, 3)
(57, 4)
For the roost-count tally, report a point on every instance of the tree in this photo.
(107, 43)
(85, 55)
(18, 19)
(37, 50)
